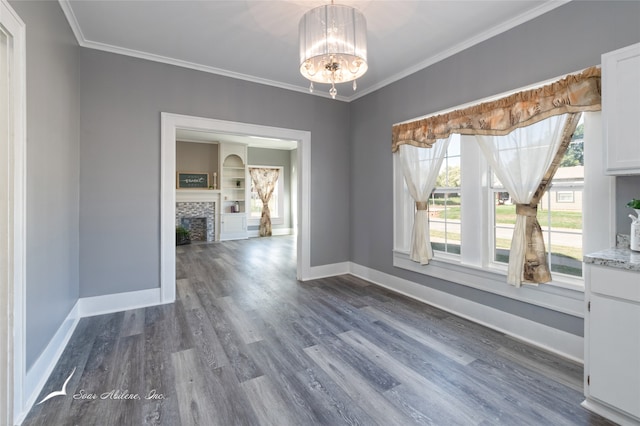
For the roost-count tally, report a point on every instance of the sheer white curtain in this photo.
(520, 160)
(420, 168)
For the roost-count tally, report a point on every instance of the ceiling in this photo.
(258, 40)
(187, 135)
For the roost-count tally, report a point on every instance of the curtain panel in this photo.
(524, 137)
(264, 181)
(420, 168)
(574, 93)
(525, 161)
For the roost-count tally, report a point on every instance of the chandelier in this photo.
(333, 45)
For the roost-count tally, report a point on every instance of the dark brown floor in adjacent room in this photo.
(247, 344)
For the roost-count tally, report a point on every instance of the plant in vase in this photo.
(634, 240)
(635, 204)
(182, 236)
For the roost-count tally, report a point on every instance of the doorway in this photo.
(170, 125)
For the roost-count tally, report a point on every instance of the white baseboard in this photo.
(39, 372)
(253, 233)
(610, 413)
(109, 303)
(559, 342)
(562, 343)
(329, 270)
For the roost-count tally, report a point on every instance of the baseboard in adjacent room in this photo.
(253, 233)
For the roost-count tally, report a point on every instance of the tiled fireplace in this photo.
(198, 218)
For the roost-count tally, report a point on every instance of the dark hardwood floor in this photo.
(247, 344)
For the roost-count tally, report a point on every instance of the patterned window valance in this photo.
(574, 93)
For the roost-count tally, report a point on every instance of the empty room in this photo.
(320, 213)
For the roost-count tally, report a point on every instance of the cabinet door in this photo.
(614, 353)
(233, 224)
(621, 109)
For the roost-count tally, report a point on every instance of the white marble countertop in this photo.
(621, 258)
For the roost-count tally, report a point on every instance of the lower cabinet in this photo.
(612, 344)
(233, 226)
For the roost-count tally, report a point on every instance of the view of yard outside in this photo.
(561, 222)
(565, 232)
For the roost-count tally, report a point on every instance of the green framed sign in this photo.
(192, 180)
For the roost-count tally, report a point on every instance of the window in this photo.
(444, 204)
(565, 196)
(559, 214)
(471, 239)
(276, 202)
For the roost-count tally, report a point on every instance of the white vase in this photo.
(634, 235)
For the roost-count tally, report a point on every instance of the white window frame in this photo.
(474, 267)
(275, 219)
(447, 191)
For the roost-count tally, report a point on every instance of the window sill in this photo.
(562, 297)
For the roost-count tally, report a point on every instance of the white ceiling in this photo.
(258, 40)
(216, 137)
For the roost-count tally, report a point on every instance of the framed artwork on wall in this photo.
(189, 180)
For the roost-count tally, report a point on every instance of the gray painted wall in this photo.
(122, 99)
(275, 157)
(567, 39)
(627, 187)
(52, 172)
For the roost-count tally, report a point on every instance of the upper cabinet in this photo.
(621, 110)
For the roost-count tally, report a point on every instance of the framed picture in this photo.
(192, 180)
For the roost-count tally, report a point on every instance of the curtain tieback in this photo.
(526, 210)
(422, 205)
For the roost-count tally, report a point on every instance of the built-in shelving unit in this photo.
(233, 183)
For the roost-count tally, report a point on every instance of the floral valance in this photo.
(574, 93)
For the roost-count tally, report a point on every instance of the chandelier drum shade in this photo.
(333, 45)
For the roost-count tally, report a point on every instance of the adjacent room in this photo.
(318, 212)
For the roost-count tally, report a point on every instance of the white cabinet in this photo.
(233, 226)
(233, 187)
(621, 110)
(612, 343)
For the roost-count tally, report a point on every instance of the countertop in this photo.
(621, 258)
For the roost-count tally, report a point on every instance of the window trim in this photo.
(473, 269)
(275, 220)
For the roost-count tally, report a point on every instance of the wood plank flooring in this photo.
(247, 344)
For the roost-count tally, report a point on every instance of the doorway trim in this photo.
(169, 124)
(13, 145)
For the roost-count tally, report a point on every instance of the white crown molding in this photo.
(491, 32)
(73, 21)
(89, 44)
(505, 26)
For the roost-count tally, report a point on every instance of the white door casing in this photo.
(169, 124)
(12, 212)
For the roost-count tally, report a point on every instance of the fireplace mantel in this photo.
(197, 195)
